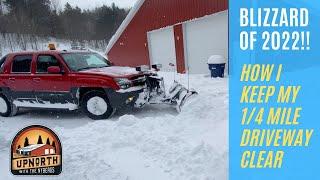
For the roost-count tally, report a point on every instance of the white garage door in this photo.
(162, 48)
(205, 37)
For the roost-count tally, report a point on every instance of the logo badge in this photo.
(36, 150)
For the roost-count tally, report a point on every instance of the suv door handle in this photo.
(12, 79)
(36, 80)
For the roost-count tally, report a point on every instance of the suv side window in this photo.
(2, 63)
(45, 61)
(22, 64)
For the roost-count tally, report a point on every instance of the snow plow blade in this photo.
(181, 96)
(155, 93)
(185, 100)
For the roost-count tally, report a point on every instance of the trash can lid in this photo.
(216, 59)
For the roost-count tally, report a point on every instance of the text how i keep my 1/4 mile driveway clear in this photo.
(261, 117)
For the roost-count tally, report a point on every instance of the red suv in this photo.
(67, 80)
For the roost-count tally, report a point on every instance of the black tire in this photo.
(9, 110)
(86, 101)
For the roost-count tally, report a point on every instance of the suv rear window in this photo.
(45, 61)
(22, 64)
(2, 60)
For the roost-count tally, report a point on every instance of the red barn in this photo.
(37, 150)
(183, 32)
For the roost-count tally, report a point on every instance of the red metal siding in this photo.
(41, 150)
(178, 38)
(131, 49)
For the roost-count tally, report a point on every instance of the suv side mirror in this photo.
(54, 70)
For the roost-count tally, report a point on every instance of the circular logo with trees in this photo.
(36, 150)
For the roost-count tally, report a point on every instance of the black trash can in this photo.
(217, 70)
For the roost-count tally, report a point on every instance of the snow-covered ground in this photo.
(152, 143)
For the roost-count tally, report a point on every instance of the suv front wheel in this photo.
(7, 108)
(96, 105)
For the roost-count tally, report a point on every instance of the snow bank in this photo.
(153, 143)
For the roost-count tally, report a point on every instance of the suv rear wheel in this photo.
(96, 105)
(7, 109)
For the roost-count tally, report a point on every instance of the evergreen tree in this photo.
(54, 145)
(40, 140)
(48, 141)
(43, 18)
(26, 142)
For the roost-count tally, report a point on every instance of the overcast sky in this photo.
(89, 4)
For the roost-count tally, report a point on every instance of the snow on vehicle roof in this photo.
(124, 24)
(31, 147)
(51, 52)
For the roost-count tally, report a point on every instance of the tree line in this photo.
(45, 18)
(26, 142)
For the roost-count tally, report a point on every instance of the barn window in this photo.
(46, 151)
(51, 151)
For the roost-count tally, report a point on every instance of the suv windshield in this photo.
(84, 61)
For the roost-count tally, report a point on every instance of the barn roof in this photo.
(31, 147)
(124, 24)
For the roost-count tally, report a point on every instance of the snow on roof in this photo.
(124, 24)
(31, 147)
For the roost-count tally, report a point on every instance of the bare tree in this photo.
(55, 5)
(1, 7)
